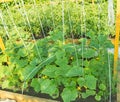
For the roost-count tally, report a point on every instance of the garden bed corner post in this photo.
(117, 38)
(116, 49)
(2, 46)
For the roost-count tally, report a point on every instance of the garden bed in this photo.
(55, 57)
(32, 96)
(51, 75)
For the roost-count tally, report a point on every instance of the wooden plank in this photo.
(2, 46)
(22, 98)
(1, 1)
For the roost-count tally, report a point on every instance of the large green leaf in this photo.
(88, 93)
(36, 84)
(75, 71)
(50, 71)
(60, 54)
(69, 94)
(49, 87)
(21, 63)
(108, 44)
(26, 71)
(104, 42)
(90, 81)
(102, 38)
(35, 61)
(61, 71)
(94, 43)
(69, 49)
(98, 97)
(62, 62)
(89, 53)
(81, 81)
(22, 53)
(102, 87)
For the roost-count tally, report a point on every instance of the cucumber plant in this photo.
(59, 73)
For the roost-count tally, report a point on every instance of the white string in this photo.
(10, 15)
(109, 67)
(52, 15)
(5, 28)
(63, 22)
(43, 11)
(84, 16)
(35, 5)
(20, 12)
(30, 28)
(11, 18)
(28, 21)
(111, 18)
(4, 24)
(99, 14)
(83, 28)
(110, 22)
(110, 83)
(72, 35)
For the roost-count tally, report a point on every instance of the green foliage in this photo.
(36, 84)
(58, 67)
(69, 94)
(46, 18)
(98, 98)
(88, 93)
(102, 87)
(75, 71)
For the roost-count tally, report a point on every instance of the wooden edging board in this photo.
(22, 98)
(1, 1)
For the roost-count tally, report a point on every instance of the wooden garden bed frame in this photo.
(22, 98)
